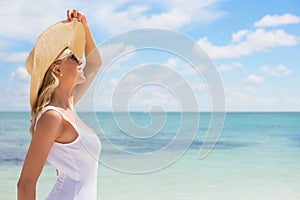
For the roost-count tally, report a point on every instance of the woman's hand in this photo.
(92, 55)
(78, 15)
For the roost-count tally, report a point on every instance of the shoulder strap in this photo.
(57, 110)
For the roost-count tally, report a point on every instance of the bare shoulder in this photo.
(51, 115)
(50, 121)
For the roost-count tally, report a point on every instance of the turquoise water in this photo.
(256, 157)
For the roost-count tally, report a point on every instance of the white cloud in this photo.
(257, 41)
(19, 57)
(20, 75)
(267, 100)
(280, 70)
(250, 89)
(15, 96)
(149, 96)
(25, 20)
(224, 68)
(179, 74)
(113, 82)
(237, 64)
(236, 37)
(5, 43)
(113, 51)
(241, 96)
(172, 19)
(199, 87)
(171, 15)
(201, 11)
(173, 62)
(254, 79)
(116, 57)
(250, 99)
(181, 66)
(147, 87)
(276, 20)
(142, 99)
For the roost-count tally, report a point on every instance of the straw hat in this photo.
(48, 47)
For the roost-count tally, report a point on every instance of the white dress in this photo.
(76, 162)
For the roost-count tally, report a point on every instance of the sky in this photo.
(254, 46)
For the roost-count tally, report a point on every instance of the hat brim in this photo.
(48, 46)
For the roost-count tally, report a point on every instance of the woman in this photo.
(58, 135)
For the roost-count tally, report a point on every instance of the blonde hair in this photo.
(45, 93)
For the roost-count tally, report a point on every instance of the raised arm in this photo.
(41, 143)
(92, 55)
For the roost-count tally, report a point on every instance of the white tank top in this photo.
(76, 162)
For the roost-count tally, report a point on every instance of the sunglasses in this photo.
(73, 57)
(70, 56)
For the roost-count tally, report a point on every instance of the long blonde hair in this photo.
(45, 93)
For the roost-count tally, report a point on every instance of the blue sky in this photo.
(254, 45)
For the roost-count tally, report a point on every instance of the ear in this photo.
(55, 69)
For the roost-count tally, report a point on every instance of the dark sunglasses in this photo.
(71, 56)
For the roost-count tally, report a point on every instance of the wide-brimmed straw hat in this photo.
(48, 47)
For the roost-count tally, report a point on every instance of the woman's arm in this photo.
(93, 58)
(41, 143)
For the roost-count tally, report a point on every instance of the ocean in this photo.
(257, 156)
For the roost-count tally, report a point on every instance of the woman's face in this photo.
(73, 70)
(70, 68)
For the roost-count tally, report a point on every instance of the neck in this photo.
(63, 97)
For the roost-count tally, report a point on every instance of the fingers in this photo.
(69, 16)
(75, 14)
(79, 16)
